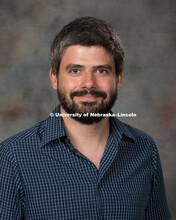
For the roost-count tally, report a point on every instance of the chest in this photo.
(60, 185)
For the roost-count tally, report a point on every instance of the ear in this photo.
(53, 79)
(119, 81)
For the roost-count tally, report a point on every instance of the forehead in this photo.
(89, 55)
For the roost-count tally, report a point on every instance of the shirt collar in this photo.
(54, 128)
(120, 129)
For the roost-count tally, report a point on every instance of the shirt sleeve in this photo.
(10, 187)
(157, 208)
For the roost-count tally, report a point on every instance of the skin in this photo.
(84, 67)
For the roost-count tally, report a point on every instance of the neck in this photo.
(77, 130)
(88, 139)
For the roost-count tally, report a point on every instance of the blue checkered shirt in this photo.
(43, 177)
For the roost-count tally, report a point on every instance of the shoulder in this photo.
(24, 136)
(139, 134)
(15, 149)
(134, 133)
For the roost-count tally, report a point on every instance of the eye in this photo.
(102, 71)
(74, 70)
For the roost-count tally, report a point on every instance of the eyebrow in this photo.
(71, 66)
(103, 66)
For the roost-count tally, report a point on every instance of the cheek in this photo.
(107, 84)
(68, 84)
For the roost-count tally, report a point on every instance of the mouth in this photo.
(86, 95)
(87, 98)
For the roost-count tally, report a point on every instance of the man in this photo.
(81, 166)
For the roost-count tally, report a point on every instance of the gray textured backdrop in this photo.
(147, 28)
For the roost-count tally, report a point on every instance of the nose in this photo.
(88, 80)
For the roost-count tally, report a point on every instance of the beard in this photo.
(84, 107)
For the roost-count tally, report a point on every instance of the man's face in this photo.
(87, 82)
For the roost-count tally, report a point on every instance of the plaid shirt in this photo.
(42, 176)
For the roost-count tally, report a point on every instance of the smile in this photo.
(87, 97)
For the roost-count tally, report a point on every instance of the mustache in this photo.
(86, 92)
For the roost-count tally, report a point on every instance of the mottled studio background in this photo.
(147, 28)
